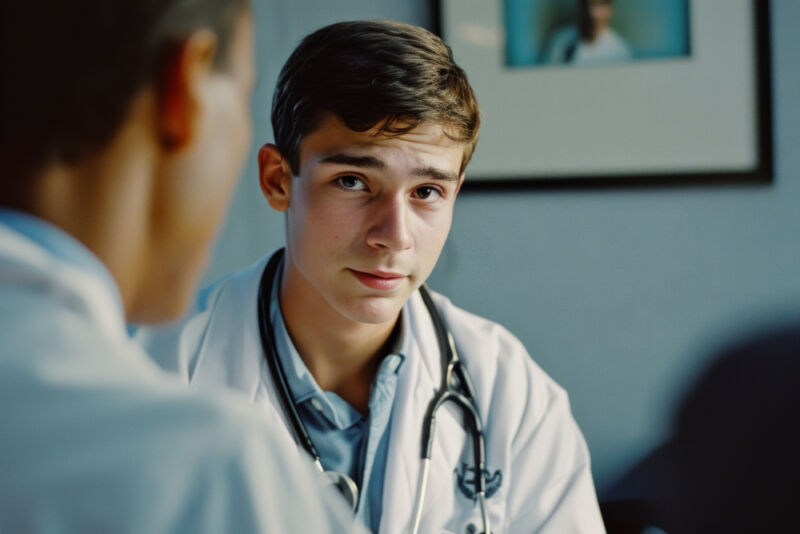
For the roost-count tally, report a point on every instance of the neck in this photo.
(342, 355)
(103, 202)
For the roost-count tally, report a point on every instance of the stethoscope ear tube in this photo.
(446, 349)
(268, 344)
(454, 375)
(343, 483)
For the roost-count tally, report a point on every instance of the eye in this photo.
(427, 192)
(351, 183)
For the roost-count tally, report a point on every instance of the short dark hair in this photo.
(71, 69)
(371, 74)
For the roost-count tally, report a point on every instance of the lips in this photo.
(380, 280)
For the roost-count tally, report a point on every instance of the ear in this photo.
(187, 68)
(275, 177)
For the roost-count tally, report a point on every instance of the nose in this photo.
(390, 229)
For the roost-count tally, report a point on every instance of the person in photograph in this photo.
(124, 128)
(590, 40)
(336, 333)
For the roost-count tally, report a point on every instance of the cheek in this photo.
(206, 176)
(243, 124)
(323, 221)
(228, 139)
(224, 143)
(431, 231)
(436, 224)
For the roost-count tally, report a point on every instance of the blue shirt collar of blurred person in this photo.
(63, 247)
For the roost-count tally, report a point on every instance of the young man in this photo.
(374, 125)
(124, 125)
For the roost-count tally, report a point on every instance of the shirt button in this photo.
(316, 404)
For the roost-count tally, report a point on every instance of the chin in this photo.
(376, 310)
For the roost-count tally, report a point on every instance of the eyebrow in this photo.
(365, 162)
(436, 174)
(371, 162)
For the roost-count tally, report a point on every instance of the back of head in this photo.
(370, 74)
(71, 69)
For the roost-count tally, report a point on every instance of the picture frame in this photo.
(700, 118)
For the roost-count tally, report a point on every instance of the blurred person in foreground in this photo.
(374, 126)
(124, 126)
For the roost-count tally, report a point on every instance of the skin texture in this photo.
(195, 182)
(149, 203)
(366, 220)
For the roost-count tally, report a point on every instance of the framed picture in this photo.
(615, 92)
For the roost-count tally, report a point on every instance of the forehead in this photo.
(426, 142)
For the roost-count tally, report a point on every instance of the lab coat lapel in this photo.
(250, 370)
(416, 388)
(246, 366)
(231, 353)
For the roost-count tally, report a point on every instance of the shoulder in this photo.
(142, 448)
(497, 345)
(177, 346)
(232, 288)
(499, 362)
(239, 461)
(526, 414)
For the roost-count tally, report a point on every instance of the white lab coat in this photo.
(531, 436)
(96, 438)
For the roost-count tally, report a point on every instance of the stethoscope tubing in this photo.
(265, 328)
(453, 370)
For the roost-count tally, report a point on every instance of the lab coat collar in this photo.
(61, 245)
(24, 262)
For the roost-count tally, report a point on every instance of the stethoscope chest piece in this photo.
(344, 485)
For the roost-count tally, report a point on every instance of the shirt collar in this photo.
(63, 246)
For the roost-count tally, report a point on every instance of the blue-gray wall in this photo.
(619, 295)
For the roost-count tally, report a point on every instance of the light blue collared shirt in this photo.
(347, 441)
(61, 245)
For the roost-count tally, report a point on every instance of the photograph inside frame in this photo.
(693, 111)
(541, 33)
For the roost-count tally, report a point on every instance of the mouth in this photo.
(381, 280)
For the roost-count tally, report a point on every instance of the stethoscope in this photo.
(456, 387)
